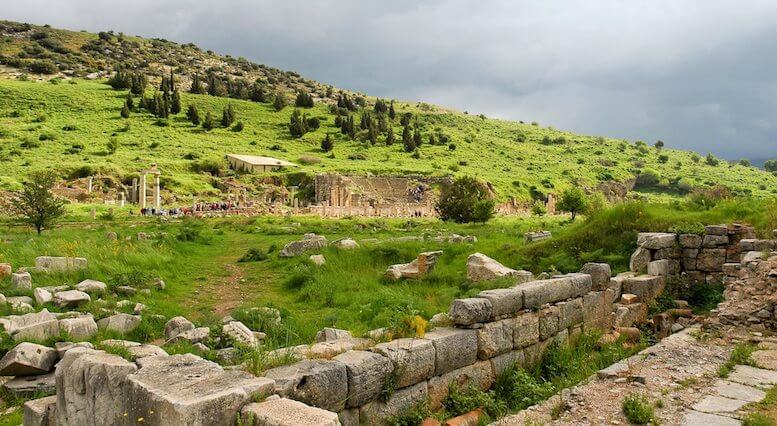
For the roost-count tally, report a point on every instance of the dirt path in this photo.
(229, 293)
(679, 371)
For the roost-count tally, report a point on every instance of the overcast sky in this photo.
(697, 74)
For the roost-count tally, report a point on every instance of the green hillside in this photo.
(66, 124)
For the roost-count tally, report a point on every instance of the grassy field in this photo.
(66, 127)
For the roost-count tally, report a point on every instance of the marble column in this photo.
(157, 199)
(142, 191)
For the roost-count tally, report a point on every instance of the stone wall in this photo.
(485, 335)
(694, 258)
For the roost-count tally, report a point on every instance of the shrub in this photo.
(43, 67)
(238, 127)
(638, 409)
(647, 178)
(465, 200)
(519, 389)
(213, 166)
(253, 255)
(309, 160)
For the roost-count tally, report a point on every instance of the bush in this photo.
(253, 255)
(574, 201)
(43, 67)
(647, 178)
(638, 409)
(466, 200)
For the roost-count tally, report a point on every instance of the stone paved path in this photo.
(680, 371)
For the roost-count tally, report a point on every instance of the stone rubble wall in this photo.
(488, 333)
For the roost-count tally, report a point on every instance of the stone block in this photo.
(629, 315)
(239, 333)
(645, 287)
(656, 240)
(63, 347)
(663, 267)
(483, 268)
(596, 307)
(5, 270)
(413, 359)
(21, 281)
(321, 383)
(38, 326)
(377, 412)
(71, 298)
(690, 241)
(570, 312)
(711, 260)
(28, 359)
(328, 334)
(367, 374)
(526, 330)
(495, 338)
(176, 326)
(674, 252)
(454, 348)
(716, 230)
(308, 242)
(600, 275)
(556, 289)
(639, 259)
(470, 311)
(188, 390)
(120, 323)
(548, 322)
(92, 388)
(91, 286)
(349, 417)
(30, 386)
(479, 375)
(41, 412)
(287, 412)
(752, 244)
(504, 301)
(689, 259)
(533, 354)
(500, 363)
(60, 264)
(713, 241)
(80, 328)
(629, 299)
(42, 296)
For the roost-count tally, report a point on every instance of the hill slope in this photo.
(67, 125)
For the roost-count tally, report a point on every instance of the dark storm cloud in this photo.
(696, 74)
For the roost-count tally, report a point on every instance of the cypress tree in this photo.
(372, 133)
(125, 112)
(405, 120)
(193, 115)
(392, 113)
(390, 137)
(129, 102)
(280, 101)
(227, 116)
(417, 137)
(297, 124)
(176, 106)
(257, 93)
(380, 106)
(327, 144)
(138, 83)
(407, 140)
(197, 85)
(208, 124)
(432, 141)
(142, 103)
(351, 127)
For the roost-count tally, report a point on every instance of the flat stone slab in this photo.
(765, 359)
(753, 376)
(25, 386)
(738, 391)
(287, 412)
(718, 404)
(695, 418)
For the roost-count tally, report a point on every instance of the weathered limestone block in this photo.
(176, 326)
(628, 315)
(328, 334)
(321, 383)
(413, 359)
(137, 350)
(367, 373)
(470, 311)
(711, 260)
(454, 348)
(91, 286)
(533, 354)
(80, 328)
(483, 268)
(732, 269)
(656, 240)
(531, 237)
(629, 299)
(346, 244)
(548, 322)
(318, 259)
(556, 289)
(188, 390)
(419, 267)
(197, 335)
(71, 298)
(716, 230)
(570, 312)
(60, 264)
(336, 347)
(38, 326)
(501, 363)
(5, 270)
(752, 256)
(308, 242)
(526, 330)
(600, 275)
(691, 241)
(377, 412)
(689, 259)
(646, 287)
(349, 417)
(479, 375)
(663, 267)
(639, 259)
(91, 388)
(674, 252)
(120, 323)
(28, 359)
(42, 296)
(239, 333)
(495, 338)
(504, 301)
(712, 241)
(21, 281)
(751, 244)
(287, 412)
(41, 412)
(27, 386)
